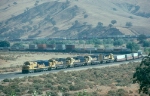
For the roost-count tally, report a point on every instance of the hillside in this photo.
(72, 18)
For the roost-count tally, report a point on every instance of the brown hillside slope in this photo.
(53, 18)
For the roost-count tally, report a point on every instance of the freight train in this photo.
(76, 50)
(65, 48)
(63, 63)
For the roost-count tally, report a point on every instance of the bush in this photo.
(111, 93)
(52, 93)
(128, 24)
(6, 80)
(82, 94)
(63, 88)
(67, 94)
(85, 16)
(95, 94)
(118, 42)
(133, 46)
(38, 86)
(15, 3)
(4, 44)
(122, 92)
(119, 92)
(113, 21)
(39, 92)
(49, 85)
(77, 86)
(146, 44)
(1, 87)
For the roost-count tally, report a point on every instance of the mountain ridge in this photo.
(73, 18)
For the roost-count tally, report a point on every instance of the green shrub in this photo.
(111, 93)
(67, 94)
(6, 80)
(119, 92)
(63, 88)
(1, 87)
(31, 90)
(77, 86)
(48, 85)
(52, 93)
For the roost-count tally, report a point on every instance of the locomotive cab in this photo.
(28, 67)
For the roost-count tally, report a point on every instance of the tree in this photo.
(132, 46)
(142, 75)
(118, 42)
(99, 25)
(4, 44)
(113, 22)
(110, 25)
(141, 38)
(36, 3)
(56, 29)
(147, 50)
(76, 22)
(128, 24)
(85, 16)
(15, 3)
(81, 42)
(146, 43)
(82, 94)
(19, 45)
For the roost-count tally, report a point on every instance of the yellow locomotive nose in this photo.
(26, 67)
(67, 61)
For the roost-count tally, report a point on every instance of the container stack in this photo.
(32, 46)
(41, 46)
(100, 50)
(60, 47)
(70, 47)
(135, 55)
(51, 47)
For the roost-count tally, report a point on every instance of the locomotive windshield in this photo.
(26, 63)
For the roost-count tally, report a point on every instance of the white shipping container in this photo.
(129, 56)
(134, 54)
(91, 49)
(120, 57)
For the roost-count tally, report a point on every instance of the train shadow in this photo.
(19, 73)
